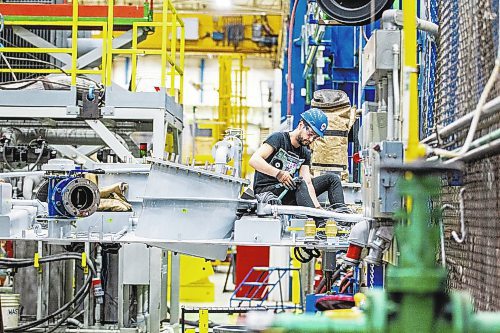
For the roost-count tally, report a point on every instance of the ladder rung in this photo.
(245, 299)
(256, 284)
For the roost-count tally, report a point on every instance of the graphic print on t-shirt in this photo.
(287, 162)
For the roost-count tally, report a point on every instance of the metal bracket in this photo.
(72, 110)
(108, 111)
(90, 108)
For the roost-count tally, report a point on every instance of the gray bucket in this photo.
(230, 329)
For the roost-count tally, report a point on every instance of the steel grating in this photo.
(466, 52)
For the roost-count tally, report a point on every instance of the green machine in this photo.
(415, 299)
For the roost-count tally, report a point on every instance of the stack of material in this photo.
(330, 153)
(113, 200)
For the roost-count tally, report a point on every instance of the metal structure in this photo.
(85, 103)
(415, 299)
(463, 68)
(258, 290)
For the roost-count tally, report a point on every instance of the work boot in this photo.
(340, 208)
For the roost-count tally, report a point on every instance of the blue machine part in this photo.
(71, 197)
(298, 83)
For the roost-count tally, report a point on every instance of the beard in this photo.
(302, 141)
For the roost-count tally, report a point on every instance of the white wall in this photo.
(260, 78)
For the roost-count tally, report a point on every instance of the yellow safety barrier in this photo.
(167, 56)
(170, 22)
(73, 50)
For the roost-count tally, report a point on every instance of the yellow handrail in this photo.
(410, 82)
(170, 22)
(170, 19)
(73, 50)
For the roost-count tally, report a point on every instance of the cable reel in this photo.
(355, 12)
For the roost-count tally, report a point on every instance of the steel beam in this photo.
(110, 139)
(39, 42)
(96, 54)
(175, 285)
(75, 154)
(88, 150)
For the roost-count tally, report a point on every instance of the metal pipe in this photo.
(301, 210)
(479, 107)
(383, 95)
(393, 18)
(41, 207)
(490, 147)
(489, 108)
(359, 233)
(91, 330)
(312, 51)
(238, 154)
(428, 26)
(390, 107)
(475, 118)
(221, 156)
(28, 184)
(396, 93)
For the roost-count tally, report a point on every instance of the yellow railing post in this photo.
(173, 49)
(133, 76)
(181, 60)
(410, 73)
(74, 42)
(164, 43)
(109, 56)
(104, 57)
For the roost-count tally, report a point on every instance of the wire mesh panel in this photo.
(467, 48)
(23, 60)
(428, 71)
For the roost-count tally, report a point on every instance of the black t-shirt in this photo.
(285, 157)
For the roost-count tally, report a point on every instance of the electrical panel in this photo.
(378, 56)
(380, 195)
(374, 128)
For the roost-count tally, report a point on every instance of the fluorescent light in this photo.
(223, 4)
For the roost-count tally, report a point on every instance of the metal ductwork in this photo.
(355, 12)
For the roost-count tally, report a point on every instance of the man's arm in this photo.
(258, 162)
(305, 173)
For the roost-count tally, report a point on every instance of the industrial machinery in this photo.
(415, 298)
(354, 12)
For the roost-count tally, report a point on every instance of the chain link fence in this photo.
(465, 56)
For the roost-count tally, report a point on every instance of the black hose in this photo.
(69, 314)
(298, 255)
(38, 158)
(311, 253)
(77, 299)
(5, 158)
(83, 290)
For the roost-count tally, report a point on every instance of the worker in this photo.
(283, 155)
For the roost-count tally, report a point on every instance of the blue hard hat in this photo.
(316, 119)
